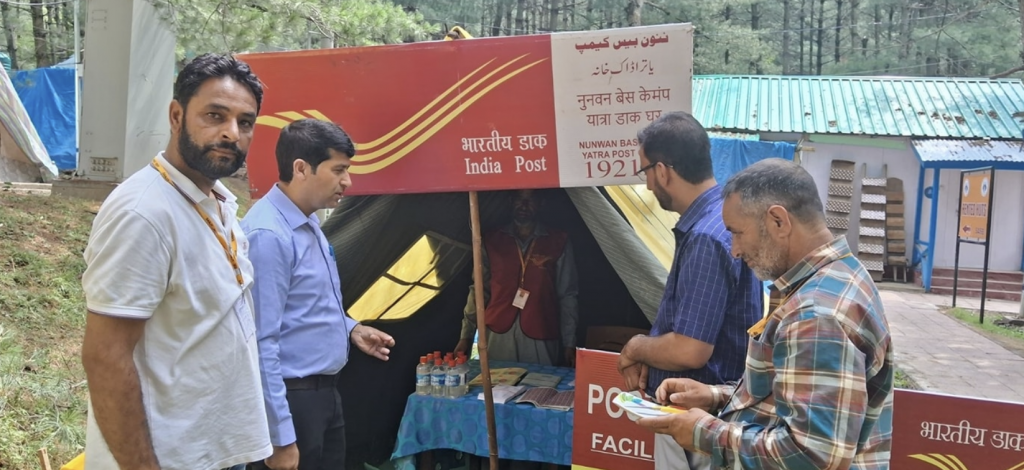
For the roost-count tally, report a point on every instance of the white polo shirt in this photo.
(151, 256)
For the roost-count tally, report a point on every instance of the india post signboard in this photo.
(975, 202)
(603, 437)
(552, 110)
(943, 432)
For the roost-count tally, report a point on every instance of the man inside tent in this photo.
(530, 287)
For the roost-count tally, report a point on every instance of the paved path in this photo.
(943, 355)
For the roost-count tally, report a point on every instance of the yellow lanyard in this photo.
(759, 327)
(231, 253)
(523, 260)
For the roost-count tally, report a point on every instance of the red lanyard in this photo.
(231, 253)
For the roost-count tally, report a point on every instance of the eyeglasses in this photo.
(643, 171)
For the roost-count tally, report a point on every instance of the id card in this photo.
(519, 301)
(245, 318)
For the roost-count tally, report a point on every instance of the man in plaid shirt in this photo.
(818, 386)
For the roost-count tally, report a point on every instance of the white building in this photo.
(923, 131)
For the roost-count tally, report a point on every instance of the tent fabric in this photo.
(49, 98)
(639, 269)
(729, 156)
(17, 123)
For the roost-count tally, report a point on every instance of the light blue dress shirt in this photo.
(301, 325)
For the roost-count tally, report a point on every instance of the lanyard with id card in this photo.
(522, 295)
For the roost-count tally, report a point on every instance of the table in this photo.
(525, 432)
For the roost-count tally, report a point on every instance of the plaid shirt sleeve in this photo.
(820, 397)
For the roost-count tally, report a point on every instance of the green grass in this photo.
(970, 317)
(902, 380)
(42, 318)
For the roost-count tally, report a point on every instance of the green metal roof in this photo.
(885, 106)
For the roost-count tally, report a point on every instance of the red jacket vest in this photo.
(540, 319)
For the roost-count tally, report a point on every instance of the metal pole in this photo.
(78, 77)
(988, 240)
(959, 221)
(478, 290)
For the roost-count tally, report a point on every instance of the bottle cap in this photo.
(423, 359)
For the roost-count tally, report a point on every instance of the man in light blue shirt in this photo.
(304, 333)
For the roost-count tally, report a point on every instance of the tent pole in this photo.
(478, 291)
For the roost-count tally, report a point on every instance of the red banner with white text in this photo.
(554, 110)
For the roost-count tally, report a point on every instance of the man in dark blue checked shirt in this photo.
(710, 297)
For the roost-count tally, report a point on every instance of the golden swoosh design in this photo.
(422, 111)
(364, 163)
(362, 157)
(941, 461)
(376, 166)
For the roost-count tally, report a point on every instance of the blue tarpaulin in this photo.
(48, 95)
(729, 156)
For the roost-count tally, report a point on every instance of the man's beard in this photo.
(664, 200)
(198, 158)
(767, 262)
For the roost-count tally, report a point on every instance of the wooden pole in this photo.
(44, 459)
(478, 291)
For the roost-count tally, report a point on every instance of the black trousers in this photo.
(319, 428)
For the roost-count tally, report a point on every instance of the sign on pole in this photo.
(535, 111)
(974, 225)
(603, 437)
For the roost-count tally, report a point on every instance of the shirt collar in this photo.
(189, 188)
(700, 206)
(291, 212)
(812, 263)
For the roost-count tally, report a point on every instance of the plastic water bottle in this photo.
(453, 381)
(437, 376)
(463, 369)
(423, 377)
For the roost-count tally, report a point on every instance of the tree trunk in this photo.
(8, 23)
(878, 30)
(905, 33)
(755, 24)
(499, 13)
(890, 24)
(39, 36)
(485, 6)
(803, 29)
(634, 8)
(837, 55)
(553, 15)
(520, 17)
(855, 42)
(810, 40)
(510, 29)
(938, 35)
(785, 38)
(1021, 9)
(728, 14)
(820, 42)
